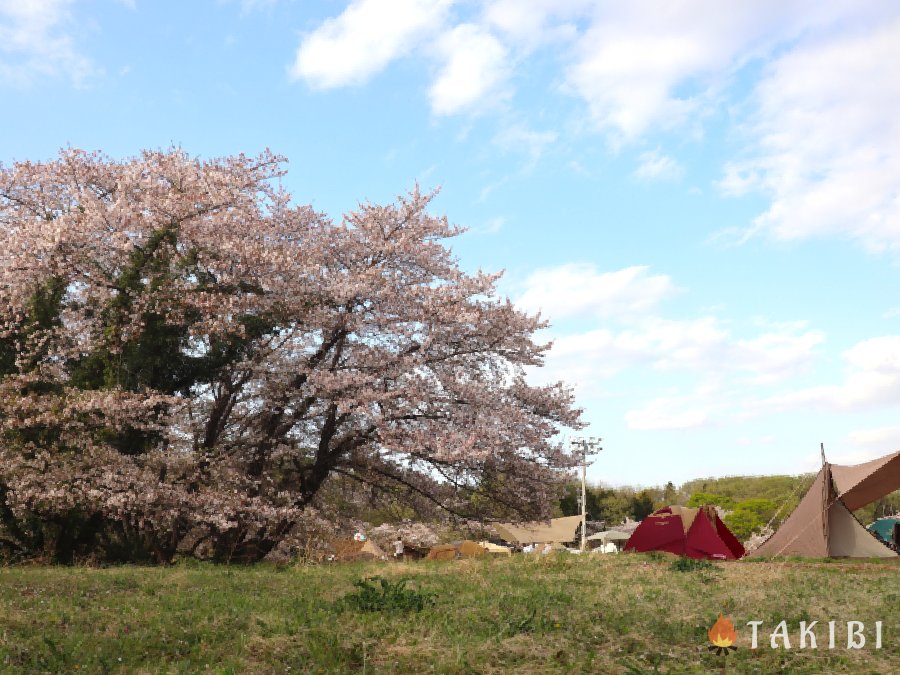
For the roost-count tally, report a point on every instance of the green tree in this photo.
(703, 498)
(641, 505)
(743, 523)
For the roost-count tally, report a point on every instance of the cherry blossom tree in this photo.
(187, 356)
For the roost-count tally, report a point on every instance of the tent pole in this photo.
(826, 497)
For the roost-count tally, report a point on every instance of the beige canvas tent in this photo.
(823, 525)
(559, 530)
(460, 549)
(495, 548)
(609, 535)
(351, 549)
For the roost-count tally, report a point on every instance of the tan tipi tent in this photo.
(352, 549)
(559, 530)
(823, 525)
(862, 484)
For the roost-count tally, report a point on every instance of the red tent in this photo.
(695, 533)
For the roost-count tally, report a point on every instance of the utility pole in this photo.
(585, 446)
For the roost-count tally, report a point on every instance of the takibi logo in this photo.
(722, 636)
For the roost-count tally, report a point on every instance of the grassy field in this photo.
(559, 613)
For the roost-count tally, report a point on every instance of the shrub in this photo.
(377, 594)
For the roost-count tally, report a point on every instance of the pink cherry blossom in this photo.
(254, 351)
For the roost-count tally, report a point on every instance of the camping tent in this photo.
(862, 484)
(887, 528)
(559, 530)
(695, 533)
(822, 525)
(459, 549)
(608, 541)
(495, 548)
(353, 549)
(609, 535)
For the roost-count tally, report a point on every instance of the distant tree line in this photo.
(750, 503)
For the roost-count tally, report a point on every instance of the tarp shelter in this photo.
(887, 528)
(823, 525)
(694, 533)
(558, 530)
(459, 549)
(862, 484)
(352, 549)
(608, 541)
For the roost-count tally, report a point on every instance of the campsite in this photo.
(479, 607)
(449, 336)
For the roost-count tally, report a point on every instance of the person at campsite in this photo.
(398, 548)
(548, 548)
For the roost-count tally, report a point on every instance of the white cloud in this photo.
(635, 336)
(248, 6)
(35, 41)
(879, 354)
(521, 138)
(675, 343)
(492, 226)
(532, 23)
(880, 438)
(872, 381)
(654, 165)
(364, 39)
(474, 70)
(666, 413)
(823, 136)
(578, 289)
(785, 350)
(828, 139)
(644, 66)
(700, 345)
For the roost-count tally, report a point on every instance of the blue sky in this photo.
(703, 197)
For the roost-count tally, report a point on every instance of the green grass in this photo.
(560, 613)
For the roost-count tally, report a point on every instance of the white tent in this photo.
(609, 536)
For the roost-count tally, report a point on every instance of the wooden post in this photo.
(586, 446)
(583, 505)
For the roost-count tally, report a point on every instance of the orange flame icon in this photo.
(722, 636)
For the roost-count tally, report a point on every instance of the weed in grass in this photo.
(640, 665)
(517, 625)
(706, 572)
(690, 565)
(386, 595)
